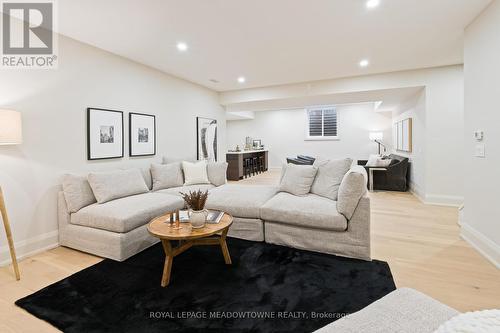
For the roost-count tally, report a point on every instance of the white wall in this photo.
(415, 109)
(53, 104)
(283, 133)
(481, 224)
(444, 158)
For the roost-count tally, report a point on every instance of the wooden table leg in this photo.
(223, 245)
(8, 232)
(169, 258)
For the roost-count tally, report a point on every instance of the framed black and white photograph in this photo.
(142, 134)
(104, 134)
(206, 137)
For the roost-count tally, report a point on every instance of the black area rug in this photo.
(268, 288)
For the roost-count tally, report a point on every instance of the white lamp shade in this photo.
(11, 132)
(376, 136)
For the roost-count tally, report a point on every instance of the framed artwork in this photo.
(142, 134)
(403, 135)
(104, 134)
(206, 138)
(257, 143)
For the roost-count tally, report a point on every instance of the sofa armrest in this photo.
(351, 190)
(63, 215)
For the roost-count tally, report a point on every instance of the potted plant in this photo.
(195, 202)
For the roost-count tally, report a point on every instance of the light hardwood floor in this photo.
(420, 242)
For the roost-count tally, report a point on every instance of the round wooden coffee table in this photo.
(210, 234)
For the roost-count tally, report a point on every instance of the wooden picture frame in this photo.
(403, 131)
(105, 135)
(142, 134)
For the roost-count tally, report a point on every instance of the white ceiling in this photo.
(273, 41)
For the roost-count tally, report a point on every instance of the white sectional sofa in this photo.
(115, 226)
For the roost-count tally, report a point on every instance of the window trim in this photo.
(306, 127)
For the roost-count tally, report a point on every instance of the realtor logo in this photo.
(28, 40)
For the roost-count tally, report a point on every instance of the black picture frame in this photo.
(89, 142)
(131, 153)
(198, 134)
(259, 143)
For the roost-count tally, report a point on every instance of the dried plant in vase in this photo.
(195, 201)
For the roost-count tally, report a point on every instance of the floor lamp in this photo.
(10, 134)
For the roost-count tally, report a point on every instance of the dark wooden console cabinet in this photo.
(235, 162)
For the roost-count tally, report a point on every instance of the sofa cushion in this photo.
(77, 192)
(352, 188)
(240, 200)
(185, 189)
(403, 310)
(309, 211)
(166, 175)
(195, 173)
(297, 179)
(217, 172)
(329, 177)
(125, 214)
(116, 184)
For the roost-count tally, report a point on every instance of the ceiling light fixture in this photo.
(181, 46)
(364, 63)
(370, 4)
(241, 79)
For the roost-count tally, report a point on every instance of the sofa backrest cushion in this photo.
(297, 179)
(116, 184)
(195, 173)
(167, 175)
(329, 177)
(217, 173)
(77, 192)
(352, 188)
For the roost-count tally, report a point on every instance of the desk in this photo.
(370, 176)
(235, 162)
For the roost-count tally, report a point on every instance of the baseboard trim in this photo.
(416, 191)
(486, 247)
(29, 247)
(444, 200)
(435, 199)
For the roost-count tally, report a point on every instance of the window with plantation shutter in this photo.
(322, 123)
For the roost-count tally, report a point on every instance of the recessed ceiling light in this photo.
(372, 4)
(364, 63)
(241, 79)
(181, 46)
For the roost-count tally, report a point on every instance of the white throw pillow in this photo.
(329, 177)
(77, 192)
(378, 161)
(217, 173)
(298, 179)
(195, 173)
(116, 184)
(166, 176)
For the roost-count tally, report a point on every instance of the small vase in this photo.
(198, 218)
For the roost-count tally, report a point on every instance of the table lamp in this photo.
(10, 134)
(377, 137)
